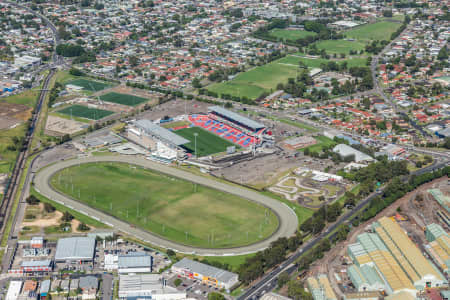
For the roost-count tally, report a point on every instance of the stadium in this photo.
(216, 131)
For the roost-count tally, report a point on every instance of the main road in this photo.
(288, 221)
(268, 281)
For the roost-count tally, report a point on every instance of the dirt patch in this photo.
(57, 126)
(175, 108)
(44, 220)
(12, 114)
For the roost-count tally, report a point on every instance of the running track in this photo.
(287, 218)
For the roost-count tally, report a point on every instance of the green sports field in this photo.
(170, 207)
(375, 31)
(294, 60)
(90, 85)
(207, 143)
(256, 81)
(340, 46)
(85, 112)
(265, 78)
(124, 99)
(291, 35)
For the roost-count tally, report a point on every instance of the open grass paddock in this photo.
(375, 31)
(290, 35)
(170, 207)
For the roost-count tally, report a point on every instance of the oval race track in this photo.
(288, 221)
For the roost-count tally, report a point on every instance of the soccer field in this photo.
(170, 207)
(124, 99)
(291, 35)
(257, 80)
(316, 62)
(207, 143)
(375, 31)
(90, 85)
(340, 46)
(85, 112)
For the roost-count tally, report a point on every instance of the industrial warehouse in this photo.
(207, 274)
(77, 249)
(388, 260)
(148, 286)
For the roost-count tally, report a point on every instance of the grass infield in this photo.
(124, 99)
(173, 208)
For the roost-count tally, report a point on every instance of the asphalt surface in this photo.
(268, 282)
(107, 286)
(287, 218)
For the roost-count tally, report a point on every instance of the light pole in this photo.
(195, 142)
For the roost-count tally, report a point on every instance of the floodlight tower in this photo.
(195, 142)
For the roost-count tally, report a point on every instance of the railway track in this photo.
(8, 200)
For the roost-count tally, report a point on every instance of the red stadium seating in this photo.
(223, 130)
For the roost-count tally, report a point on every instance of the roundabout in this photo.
(166, 206)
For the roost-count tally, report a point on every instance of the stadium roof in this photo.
(75, 248)
(205, 270)
(237, 117)
(161, 132)
(135, 260)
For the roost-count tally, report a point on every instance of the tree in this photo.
(177, 282)
(215, 296)
(443, 53)
(48, 208)
(283, 278)
(76, 72)
(170, 252)
(83, 227)
(296, 291)
(67, 217)
(133, 60)
(196, 83)
(32, 200)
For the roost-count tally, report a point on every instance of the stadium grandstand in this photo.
(147, 134)
(231, 126)
(237, 119)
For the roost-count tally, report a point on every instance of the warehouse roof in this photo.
(205, 270)
(325, 283)
(405, 251)
(45, 286)
(75, 248)
(153, 129)
(88, 282)
(345, 150)
(436, 230)
(36, 263)
(135, 260)
(236, 117)
(364, 275)
(136, 285)
(400, 296)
